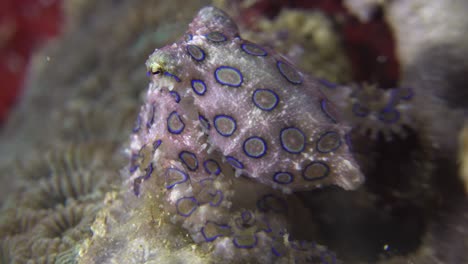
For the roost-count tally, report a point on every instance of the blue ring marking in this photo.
(183, 158)
(151, 121)
(232, 69)
(234, 162)
(325, 136)
(193, 50)
(258, 140)
(188, 37)
(257, 102)
(264, 205)
(218, 118)
(168, 74)
(289, 73)
(184, 177)
(205, 123)
(287, 148)
(323, 106)
(360, 110)
(389, 110)
(216, 37)
(175, 95)
(195, 82)
(234, 241)
(137, 125)
(209, 162)
(327, 83)
(149, 171)
(219, 194)
(323, 166)
(136, 185)
(156, 144)
(212, 238)
(253, 49)
(172, 115)
(191, 199)
(290, 177)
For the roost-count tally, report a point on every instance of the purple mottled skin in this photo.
(230, 128)
(266, 118)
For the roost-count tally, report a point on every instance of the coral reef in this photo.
(308, 39)
(214, 102)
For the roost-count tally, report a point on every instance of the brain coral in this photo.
(221, 113)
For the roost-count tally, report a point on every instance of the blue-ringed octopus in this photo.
(229, 129)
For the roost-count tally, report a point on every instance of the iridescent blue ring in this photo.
(259, 104)
(277, 175)
(224, 82)
(195, 83)
(183, 158)
(192, 199)
(206, 165)
(216, 194)
(212, 238)
(253, 49)
(287, 148)
(196, 52)
(216, 37)
(322, 164)
(234, 162)
(289, 73)
(326, 135)
(218, 118)
(168, 74)
(183, 179)
(258, 140)
(234, 241)
(172, 115)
